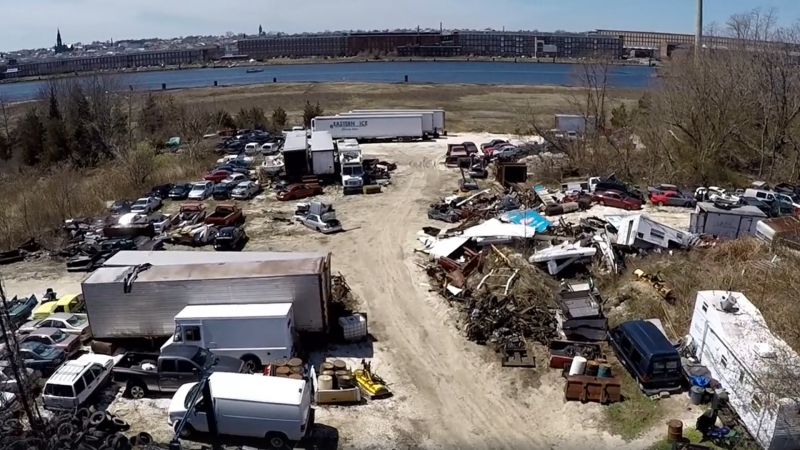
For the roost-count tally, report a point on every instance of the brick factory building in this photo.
(385, 43)
(294, 46)
(519, 44)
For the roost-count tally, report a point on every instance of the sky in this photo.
(33, 23)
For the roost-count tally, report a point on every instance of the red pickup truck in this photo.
(225, 215)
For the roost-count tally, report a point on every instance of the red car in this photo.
(216, 176)
(617, 199)
(298, 191)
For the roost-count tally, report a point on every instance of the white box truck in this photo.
(258, 334)
(322, 153)
(438, 117)
(427, 118)
(275, 408)
(369, 127)
(350, 162)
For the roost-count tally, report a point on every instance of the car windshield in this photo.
(193, 394)
(58, 336)
(199, 187)
(37, 347)
(76, 321)
(140, 202)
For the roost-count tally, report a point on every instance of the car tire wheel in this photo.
(186, 432)
(251, 363)
(602, 203)
(277, 440)
(628, 207)
(136, 391)
(660, 203)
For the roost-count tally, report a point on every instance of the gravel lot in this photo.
(448, 391)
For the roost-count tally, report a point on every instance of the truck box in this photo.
(438, 116)
(257, 333)
(427, 118)
(364, 127)
(141, 301)
(322, 153)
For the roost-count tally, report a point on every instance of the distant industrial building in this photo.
(519, 44)
(293, 46)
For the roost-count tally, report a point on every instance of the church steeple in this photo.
(58, 38)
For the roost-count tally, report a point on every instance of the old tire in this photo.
(627, 207)
(136, 390)
(92, 441)
(277, 440)
(659, 203)
(120, 424)
(251, 363)
(97, 419)
(144, 438)
(83, 413)
(119, 442)
(65, 430)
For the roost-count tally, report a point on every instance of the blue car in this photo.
(41, 357)
(20, 309)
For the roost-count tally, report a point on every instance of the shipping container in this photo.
(141, 301)
(186, 257)
(427, 118)
(295, 141)
(438, 116)
(322, 153)
(368, 127)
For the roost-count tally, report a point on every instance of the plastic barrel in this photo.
(674, 431)
(282, 370)
(279, 363)
(339, 365)
(604, 371)
(578, 366)
(295, 376)
(295, 362)
(326, 366)
(325, 382)
(296, 369)
(696, 394)
(345, 382)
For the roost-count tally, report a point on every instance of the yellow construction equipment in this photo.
(371, 385)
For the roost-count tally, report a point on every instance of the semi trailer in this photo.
(427, 118)
(371, 127)
(439, 126)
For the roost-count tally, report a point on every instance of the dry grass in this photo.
(743, 265)
(469, 107)
(36, 203)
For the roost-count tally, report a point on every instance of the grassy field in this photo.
(469, 107)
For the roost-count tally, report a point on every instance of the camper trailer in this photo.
(731, 338)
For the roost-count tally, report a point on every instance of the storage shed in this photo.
(725, 221)
(141, 301)
(757, 369)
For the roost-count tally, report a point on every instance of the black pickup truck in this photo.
(176, 365)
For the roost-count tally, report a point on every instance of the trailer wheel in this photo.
(251, 363)
(277, 440)
(186, 432)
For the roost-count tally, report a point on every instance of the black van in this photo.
(647, 354)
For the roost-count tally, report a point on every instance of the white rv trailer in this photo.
(367, 127)
(730, 337)
(438, 116)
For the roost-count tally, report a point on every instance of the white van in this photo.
(252, 148)
(74, 382)
(258, 334)
(275, 408)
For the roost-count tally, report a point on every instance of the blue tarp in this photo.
(527, 217)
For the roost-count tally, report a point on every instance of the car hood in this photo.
(228, 364)
(176, 405)
(178, 190)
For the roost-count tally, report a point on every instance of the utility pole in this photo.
(698, 31)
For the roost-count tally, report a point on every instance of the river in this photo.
(442, 72)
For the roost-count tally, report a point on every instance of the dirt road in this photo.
(448, 391)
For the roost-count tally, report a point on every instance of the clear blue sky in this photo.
(33, 23)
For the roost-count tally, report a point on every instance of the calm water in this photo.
(372, 72)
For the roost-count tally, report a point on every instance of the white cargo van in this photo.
(258, 334)
(275, 408)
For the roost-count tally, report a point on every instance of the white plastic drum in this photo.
(325, 382)
(578, 366)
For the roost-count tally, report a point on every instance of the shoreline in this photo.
(313, 61)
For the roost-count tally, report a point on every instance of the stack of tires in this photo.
(85, 430)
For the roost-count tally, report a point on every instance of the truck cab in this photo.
(352, 168)
(257, 334)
